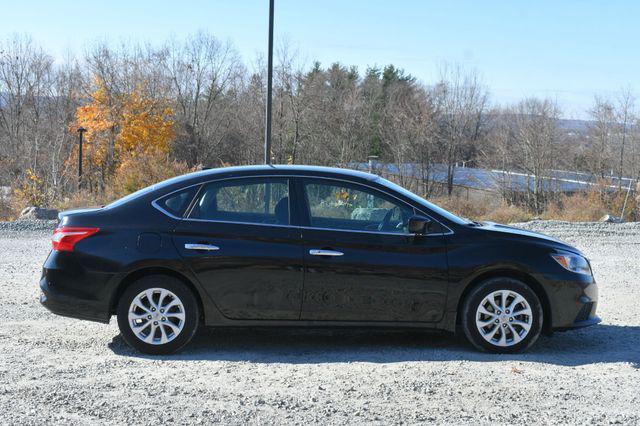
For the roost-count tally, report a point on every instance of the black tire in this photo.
(191, 314)
(476, 297)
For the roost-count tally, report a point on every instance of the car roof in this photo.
(278, 169)
(193, 178)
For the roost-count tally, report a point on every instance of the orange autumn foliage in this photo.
(123, 127)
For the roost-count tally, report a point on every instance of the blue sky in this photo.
(568, 50)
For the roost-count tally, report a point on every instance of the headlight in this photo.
(573, 263)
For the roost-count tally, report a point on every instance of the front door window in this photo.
(336, 205)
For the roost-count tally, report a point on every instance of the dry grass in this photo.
(580, 207)
(508, 214)
(486, 207)
(83, 199)
(576, 208)
(6, 210)
(591, 206)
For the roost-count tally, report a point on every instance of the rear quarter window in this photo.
(177, 203)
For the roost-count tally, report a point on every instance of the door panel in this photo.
(239, 243)
(377, 278)
(378, 271)
(255, 274)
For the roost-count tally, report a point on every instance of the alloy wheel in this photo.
(156, 316)
(504, 318)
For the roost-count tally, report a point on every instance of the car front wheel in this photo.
(158, 315)
(502, 315)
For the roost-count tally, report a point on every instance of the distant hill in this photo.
(570, 125)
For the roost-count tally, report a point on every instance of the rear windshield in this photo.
(144, 191)
(132, 196)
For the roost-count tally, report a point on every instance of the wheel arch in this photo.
(135, 275)
(514, 274)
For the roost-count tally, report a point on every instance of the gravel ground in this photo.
(59, 370)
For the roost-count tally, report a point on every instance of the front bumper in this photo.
(581, 324)
(573, 300)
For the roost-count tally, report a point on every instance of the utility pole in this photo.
(267, 127)
(81, 130)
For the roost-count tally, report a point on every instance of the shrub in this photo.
(139, 171)
(591, 206)
(29, 191)
(463, 206)
(508, 214)
(83, 198)
(6, 210)
(133, 173)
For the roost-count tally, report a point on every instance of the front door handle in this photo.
(319, 252)
(204, 247)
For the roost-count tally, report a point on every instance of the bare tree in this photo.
(625, 116)
(203, 71)
(461, 102)
(601, 134)
(531, 143)
(408, 133)
(25, 83)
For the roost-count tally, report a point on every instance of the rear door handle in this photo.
(204, 247)
(319, 252)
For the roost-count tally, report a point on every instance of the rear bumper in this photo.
(71, 289)
(73, 307)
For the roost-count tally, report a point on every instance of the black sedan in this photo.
(308, 246)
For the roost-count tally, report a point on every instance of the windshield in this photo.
(432, 207)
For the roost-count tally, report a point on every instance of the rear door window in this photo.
(248, 200)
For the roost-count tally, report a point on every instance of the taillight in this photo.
(65, 238)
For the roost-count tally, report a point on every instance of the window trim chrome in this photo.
(155, 204)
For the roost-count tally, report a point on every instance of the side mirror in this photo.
(418, 224)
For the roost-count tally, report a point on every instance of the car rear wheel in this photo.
(158, 315)
(502, 315)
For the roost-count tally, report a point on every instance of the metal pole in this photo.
(371, 160)
(81, 130)
(267, 128)
(626, 198)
